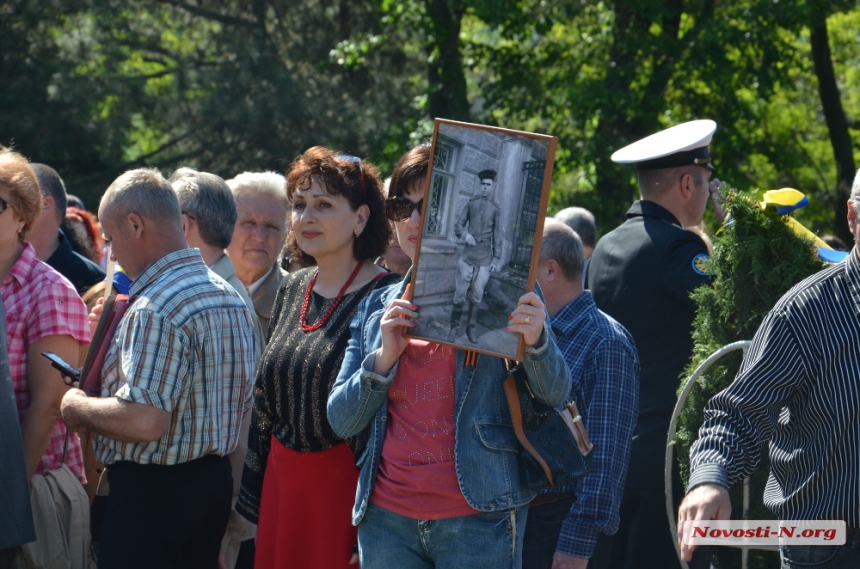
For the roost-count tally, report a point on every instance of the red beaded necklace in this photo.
(304, 314)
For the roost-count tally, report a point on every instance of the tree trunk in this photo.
(837, 125)
(447, 82)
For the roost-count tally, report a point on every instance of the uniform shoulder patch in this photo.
(701, 264)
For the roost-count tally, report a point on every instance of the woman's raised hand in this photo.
(528, 318)
(397, 318)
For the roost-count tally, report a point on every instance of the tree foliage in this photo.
(97, 87)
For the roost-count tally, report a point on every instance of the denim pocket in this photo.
(811, 556)
(497, 436)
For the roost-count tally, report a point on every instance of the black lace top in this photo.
(294, 377)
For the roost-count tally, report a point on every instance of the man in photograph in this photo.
(478, 225)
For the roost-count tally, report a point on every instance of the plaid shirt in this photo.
(40, 302)
(186, 345)
(604, 367)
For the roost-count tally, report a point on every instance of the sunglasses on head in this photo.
(357, 160)
(400, 208)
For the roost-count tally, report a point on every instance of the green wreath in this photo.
(756, 259)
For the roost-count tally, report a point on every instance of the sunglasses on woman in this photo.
(400, 208)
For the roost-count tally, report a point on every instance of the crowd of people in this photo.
(262, 407)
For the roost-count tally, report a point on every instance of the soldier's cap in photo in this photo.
(484, 174)
(685, 144)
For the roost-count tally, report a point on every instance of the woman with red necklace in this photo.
(300, 477)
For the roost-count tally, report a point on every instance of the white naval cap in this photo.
(681, 145)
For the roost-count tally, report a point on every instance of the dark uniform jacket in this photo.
(482, 217)
(642, 274)
(80, 271)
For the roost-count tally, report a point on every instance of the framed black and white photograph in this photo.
(481, 228)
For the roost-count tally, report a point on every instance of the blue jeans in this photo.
(820, 556)
(481, 541)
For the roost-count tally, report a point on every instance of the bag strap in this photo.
(517, 419)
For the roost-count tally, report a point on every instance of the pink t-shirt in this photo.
(416, 476)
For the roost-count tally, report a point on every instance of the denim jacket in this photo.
(485, 446)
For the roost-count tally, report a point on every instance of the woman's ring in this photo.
(527, 319)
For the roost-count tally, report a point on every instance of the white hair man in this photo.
(177, 379)
(571, 527)
(259, 236)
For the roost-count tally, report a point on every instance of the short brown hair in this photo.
(25, 197)
(342, 178)
(655, 183)
(411, 167)
(561, 244)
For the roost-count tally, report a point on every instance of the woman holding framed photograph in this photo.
(300, 477)
(439, 483)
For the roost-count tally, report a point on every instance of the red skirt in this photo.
(306, 509)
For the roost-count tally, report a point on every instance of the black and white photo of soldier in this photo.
(478, 225)
(483, 201)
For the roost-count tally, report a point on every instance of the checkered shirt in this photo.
(40, 302)
(186, 345)
(604, 368)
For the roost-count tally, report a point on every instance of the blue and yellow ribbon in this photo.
(787, 201)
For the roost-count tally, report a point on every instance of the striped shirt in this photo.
(798, 390)
(186, 345)
(604, 368)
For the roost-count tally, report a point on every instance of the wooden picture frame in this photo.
(450, 273)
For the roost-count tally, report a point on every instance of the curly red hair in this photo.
(91, 226)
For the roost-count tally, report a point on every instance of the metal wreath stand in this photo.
(670, 447)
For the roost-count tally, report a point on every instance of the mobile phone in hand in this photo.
(65, 368)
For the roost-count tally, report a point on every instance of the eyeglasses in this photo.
(400, 208)
(351, 158)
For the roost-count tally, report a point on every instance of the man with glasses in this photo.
(478, 225)
(208, 217)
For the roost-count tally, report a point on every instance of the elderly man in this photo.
(176, 383)
(796, 395)
(478, 225)
(51, 245)
(208, 218)
(642, 274)
(259, 236)
(572, 527)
